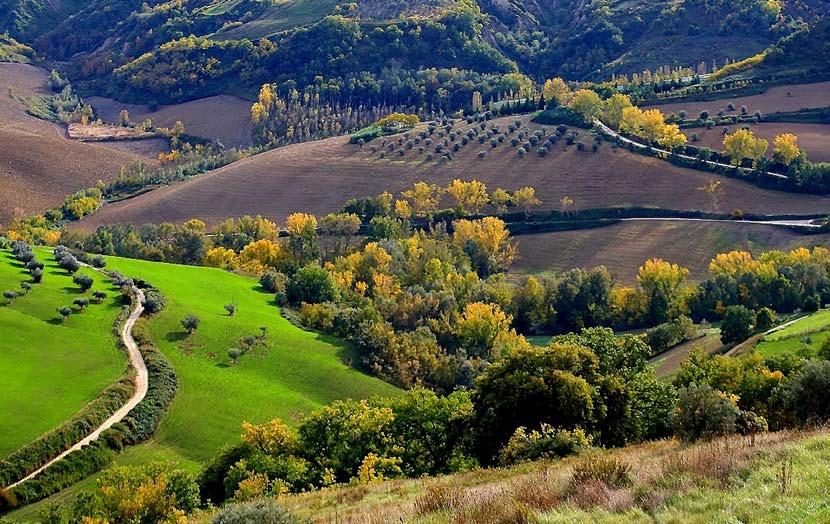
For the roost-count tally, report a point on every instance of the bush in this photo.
(805, 395)
(812, 303)
(153, 301)
(264, 511)
(764, 319)
(69, 263)
(311, 284)
(482, 155)
(547, 442)
(704, 413)
(190, 323)
(98, 261)
(608, 470)
(83, 281)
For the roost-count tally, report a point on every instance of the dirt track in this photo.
(319, 177)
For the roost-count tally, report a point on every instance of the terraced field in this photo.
(624, 247)
(319, 177)
(39, 166)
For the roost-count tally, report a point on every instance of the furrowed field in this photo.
(41, 358)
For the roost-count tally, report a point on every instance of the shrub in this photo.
(153, 301)
(805, 394)
(98, 261)
(231, 309)
(812, 303)
(190, 323)
(608, 470)
(10, 295)
(263, 511)
(37, 275)
(764, 319)
(311, 284)
(69, 263)
(64, 312)
(750, 423)
(83, 281)
(99, 296)
(482, 155)
(81, 303)
(547, 442)
(704, 413)
(439, 497)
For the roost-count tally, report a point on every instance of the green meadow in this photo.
(293, 372)
(805, 336)
(50, 369)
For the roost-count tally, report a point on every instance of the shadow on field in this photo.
(73, 290)
(175, 336)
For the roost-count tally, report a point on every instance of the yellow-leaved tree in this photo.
(613, 108)
(744, 144)
(785, 148)
(557, 90)
(671, 137)
(469, 197)
(587, 103)
(424, 198)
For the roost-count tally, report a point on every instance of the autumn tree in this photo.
(338, 229)
(587, 103)
(525, 199)
(258, 256)
(714, 190)
(501, 200)
(660, 281)
(481, 328)
(469, 197)
(744, 144)
(671, 137)
(302, 234)
(487, 242)
(613, 108)
(424, 198)
(565, 203)
(786, 148)
(221, 257)
(631, 120)
(652, 124)
(556, 92)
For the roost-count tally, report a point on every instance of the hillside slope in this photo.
(39, 166)
(318, 177)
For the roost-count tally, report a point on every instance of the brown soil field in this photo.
(105, 132)
(623, 247)
(776, 99)
(224, 118)
(318, 177)
(812, 138)
(39, 166)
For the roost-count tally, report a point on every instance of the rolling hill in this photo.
(39, 166)
(318, 177)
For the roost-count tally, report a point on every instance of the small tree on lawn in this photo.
(83, 281)
(99, 296)
(234, 355)
(231, 309)
(65, 312)
(81, 303)
(69, 263)
(26, 287)
(190, 323)
(10, 295)
(37, 275)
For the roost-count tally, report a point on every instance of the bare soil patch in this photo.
(776, 99)
(224, 118)
(39, 165)
(623, 247)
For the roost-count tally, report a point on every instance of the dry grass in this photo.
(319, 176)
(639, 477)
(39, 166)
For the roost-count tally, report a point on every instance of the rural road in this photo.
(797, 222)
(607, 130)
(141, 384)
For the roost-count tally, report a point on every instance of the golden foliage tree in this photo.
(613, 108)
(587, 103)
(786, 148)
(469, 197)
(424, 198)
(557, 90)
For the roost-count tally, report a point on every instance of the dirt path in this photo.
(607, 130)
(141, 384)
(794, 222)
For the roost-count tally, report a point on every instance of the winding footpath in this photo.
(141, 384)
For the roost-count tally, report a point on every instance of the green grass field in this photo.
(49, 370)
(802, 337)
(296, 372)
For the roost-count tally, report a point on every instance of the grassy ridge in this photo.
(294, 372)
(41, 358)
